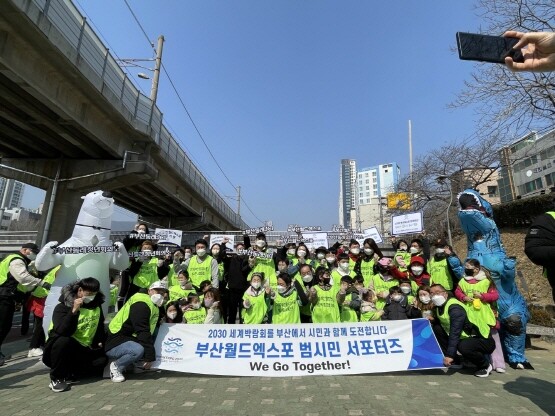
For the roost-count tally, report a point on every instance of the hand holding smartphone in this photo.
(487, 48)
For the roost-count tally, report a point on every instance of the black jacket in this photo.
(236, 267)
(539, 243)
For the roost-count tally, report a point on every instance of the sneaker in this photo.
(484, 372)
(35, 352)
(72, 379)
(115, 374)
(500, 370)
(517, 366)
(528, 366)
(58, 386)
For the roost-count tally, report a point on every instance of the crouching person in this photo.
(131, 332)
(76, 335)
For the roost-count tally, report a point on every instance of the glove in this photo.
(45, 285)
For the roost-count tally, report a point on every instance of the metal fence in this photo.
(68, 30)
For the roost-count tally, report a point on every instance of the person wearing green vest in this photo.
(146, 269)
(325, 299)
(286, 302)
(202, 266)
(219, 253)
(401, 259)
(456, 331)
(13, 273)
(365, 263)
(193, 312)
(76, 335)
(183, 287)
(350, 307)
(131, 332)
(343, 269)
(382, 281)
(368, 310)
(255, 300)
(177, 257)
(441, 266)
(35, 305)
(305, 279)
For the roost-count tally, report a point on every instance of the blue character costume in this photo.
(484, 245)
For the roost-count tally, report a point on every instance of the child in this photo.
(182, 288)
(368, 311)
(351, 305)
(423, 302)
(213, 307)
(174, 315)
(255, 303)
(193, 312)
(396, 306)
(406, 289)
(287, 300)
(382, 280)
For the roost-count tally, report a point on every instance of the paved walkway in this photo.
(24, 391)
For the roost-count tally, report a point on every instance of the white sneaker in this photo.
(500, 370)
(35, 352)
(115, 374)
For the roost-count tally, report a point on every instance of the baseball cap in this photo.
(159, 285)
(34, 248)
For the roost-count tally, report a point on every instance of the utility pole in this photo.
(158, 64)
(239, 201)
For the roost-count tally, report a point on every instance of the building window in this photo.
(492, 191)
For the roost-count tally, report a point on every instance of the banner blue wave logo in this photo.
(172, 345)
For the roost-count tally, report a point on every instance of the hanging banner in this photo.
(298, 350)
(406, 224)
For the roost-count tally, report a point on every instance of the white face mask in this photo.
(320, 256)
(208, 302)
(344, 266)
(414, 250)
(301, 253)
(157, 299)
(215, 253)
(396, 298)
(88, 299)
(417, 270)
(330, 259)
(291, 252)
(201, 252)
(440, 250)
(171, 315)
(403, 248)
(307, 278)
(425, 299)
(195, 305)
(260, 243)
(438, 300)
(187, 256)
(256, 285)
(406, 290)
(368, 251)
(31, 256)
(141, 231)
(355, 251)
(281, 289)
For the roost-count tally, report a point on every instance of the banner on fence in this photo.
(298, 350)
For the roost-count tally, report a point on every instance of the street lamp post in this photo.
(441, 179)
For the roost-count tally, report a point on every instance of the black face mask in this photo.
(469, 272)
(326, 280)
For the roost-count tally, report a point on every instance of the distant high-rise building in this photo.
(11, 193)
(347, 191)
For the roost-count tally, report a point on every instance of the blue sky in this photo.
(283, 90)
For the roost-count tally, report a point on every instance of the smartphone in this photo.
(487, 48)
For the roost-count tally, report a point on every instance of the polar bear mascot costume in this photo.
(89, 252)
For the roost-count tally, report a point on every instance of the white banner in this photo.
(218, 238)
(315, 240)
(169, 236)
(374, 234)
(298, 350)
(406, 224)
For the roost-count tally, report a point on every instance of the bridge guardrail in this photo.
(96, 63)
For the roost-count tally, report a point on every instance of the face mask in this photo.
(469, 272)
(157, 299)
(195, 305)
(425, 299)
(282, 269)
(480, 276)
(260, 243)
(187, 256)
(406, 290)
(31, 256)
(301, 253)
(201, 252)
(330, 259)
(355, 251)
(208, 302)
(141, 231)
(403, 248)
(307, 278)
(281, 289)
(417, 270)
(291, 252)
(146, 253)
(344, 266)
(368, 251)
(440, 250)
(182, 284)
(87, 299)
(414, 250)
(326, 280)
(396, 298)
(438, 300)
(255, 285)
(215, 253)
(171, 315)
(320, 256)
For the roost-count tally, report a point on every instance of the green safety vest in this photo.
(379, 285)
(485, 312)
(5, 276)
(41, 292)
(347, 313)
(406, 257)
(221, 271)
(87, 324)
(336, 277)
(369, 316)
(198, 272)
(147, 275)
(177, 293)
(123, 314)
(195, 316)
(445, 320)
(326, 310)
(266, 266)
(286, 309)
(439, 274)
(113, 295)
(305, 309)
(256, 313)
(367, 270)
(172, 277)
